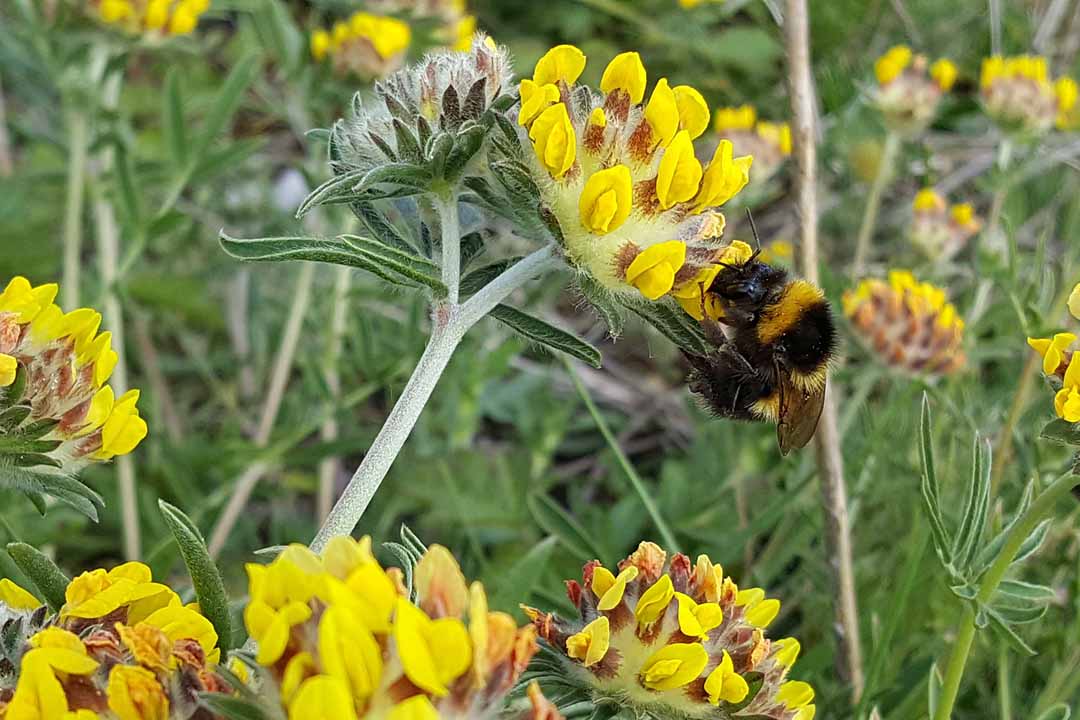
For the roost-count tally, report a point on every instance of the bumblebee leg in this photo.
(727, 383)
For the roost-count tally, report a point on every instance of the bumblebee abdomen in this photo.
(799, 326)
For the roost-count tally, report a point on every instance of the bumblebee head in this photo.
(748, 284)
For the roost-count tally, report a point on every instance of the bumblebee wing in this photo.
(798, 415)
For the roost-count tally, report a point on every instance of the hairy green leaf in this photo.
(546, 334)
(49, 579)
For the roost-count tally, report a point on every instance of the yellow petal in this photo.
(417, 707)
(943, 73)
(889, 66)
(320, 44)
(606, 200)
(654, 602)
(322, 696)
(432, 653)
(135, 694)
(653, 270)
(535, 99)
(614, 594)
(592, 643)
(795, 694)
(725, 176)
(674, 666)
(679, 175)
(763, 613)
(440, 585)
(9, 368)
(1074, 302)
(299, 668)
(179, 623)
(723, 683)
(562, 62)
(693, 110)
(348, 650)
(16, 598)
(554, 140)
(625, 72)
(786, 651)
(662, 113)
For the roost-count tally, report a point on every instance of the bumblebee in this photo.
(773, 339)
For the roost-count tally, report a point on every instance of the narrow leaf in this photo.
(981, 484)
(518, 581)
(205, 577)
(226, 103)
(1060, 431)
(601, 301)
(382, 250)
(481, 276)
(990, 552)
(1002, 629)
(926, 451)
(232, 708)
(49, 579)
(172, 115)
(1027, 591)
(548, 335)
(555, 520)
(1056, 712)
(934, 690)
(333, 190)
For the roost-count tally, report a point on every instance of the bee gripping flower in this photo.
(618, 178)
(665, 638)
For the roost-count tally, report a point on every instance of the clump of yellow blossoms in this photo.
(617, 173)
(908, 325)
(769, 143)
(366, 45)
(121, 648)
(456, 26)
(938, 230)
(154, 17)
(1020, 96)
(59, 411)
(910, 88)
(1062, 365)
(675, 639)
(342, 640)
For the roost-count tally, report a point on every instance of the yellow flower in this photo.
(440, 585)
(135, 694)
(610, 589)
(433, 652)
(786, 651)
(299, 668)
(654, 601)
(759, 610)
(724, 177)
(927, 199)
(679, 175)
(653, 270)
(662, 113)
(349, 651)
(723, 683)
(889, 66)
(795, 695)
(535, 99)
(39, 694)
(696, 620)
(562, 62)
(16, 598)
(674, 666)
(592, 643)
(9, 368)
(417, 707)
(606, 199)
(943, 73)
(1074, 302)
(98, 593)
(1052, 350)
(734, 118)
(625, 72)
(320, 44)
(322, 696)
(554, 140)
(178, 622)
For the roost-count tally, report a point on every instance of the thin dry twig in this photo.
(830, 459)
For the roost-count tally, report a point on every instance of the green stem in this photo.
(965, 632)
(447, 207)
(671, 544)
(1003, 677)
(873, 203)
(78, 145)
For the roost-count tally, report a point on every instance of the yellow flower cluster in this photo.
(456, 27)
(56, 365)
(910, 88)
(122, 647)
(675, 639)
(172, 17)
(1019, 94)
(909, 325)
(343, 641)
(371, 46)
(1063, 364)
(635, 206)
(769, 143)
(938, 230)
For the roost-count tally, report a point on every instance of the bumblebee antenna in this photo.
(753, 229)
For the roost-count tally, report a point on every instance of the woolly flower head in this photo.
(618, 177)
(428, 110)
(1061, 365)
(341, 638)
(1020, 96)
(769, 143)
(908, 325)
(910, 88)
(365, 45)
(672, 639)
(938, 230)
(151, 17)
(121, 648)
(59, 413)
